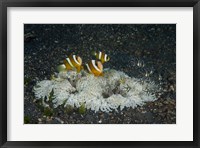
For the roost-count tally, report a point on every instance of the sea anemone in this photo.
(112, 91)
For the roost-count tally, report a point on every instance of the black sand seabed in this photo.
(45, 46)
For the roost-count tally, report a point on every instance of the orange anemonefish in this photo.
(95, 67)
(72, 62)
(101, 56)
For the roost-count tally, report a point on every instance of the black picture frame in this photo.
(4, 4)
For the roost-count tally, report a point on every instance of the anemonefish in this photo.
(95, 67)
(70, 63)
(101, 56)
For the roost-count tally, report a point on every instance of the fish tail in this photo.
(61, 67)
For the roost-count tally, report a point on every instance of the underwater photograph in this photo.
(99, 73)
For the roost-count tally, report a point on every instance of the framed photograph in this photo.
(99, 73)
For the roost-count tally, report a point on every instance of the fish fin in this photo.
(61, 67)
(79, 69)
(102, 74)
(74, 68)
(94, 53)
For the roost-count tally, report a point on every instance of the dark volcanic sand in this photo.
(45, 46)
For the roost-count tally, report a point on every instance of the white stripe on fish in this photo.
(88, 68)
(93, 63)
(105, 57)
(100, 53)
(74, 57)
(70, 63)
